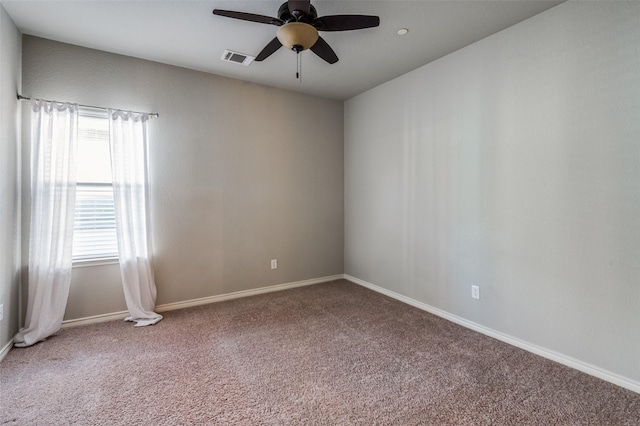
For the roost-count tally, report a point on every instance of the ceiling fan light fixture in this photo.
(297, 36)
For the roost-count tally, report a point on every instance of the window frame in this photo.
(97, 259)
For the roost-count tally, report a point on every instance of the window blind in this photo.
(94, 235)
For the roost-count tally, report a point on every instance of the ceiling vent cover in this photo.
(237, 57)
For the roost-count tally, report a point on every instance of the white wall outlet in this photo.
(274, 263)
(475, 292)
(1, 312)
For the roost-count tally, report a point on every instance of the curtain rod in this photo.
(150, 114)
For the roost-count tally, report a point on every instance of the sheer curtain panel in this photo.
(128, 144)
(54, 135)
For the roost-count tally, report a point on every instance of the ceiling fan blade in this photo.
(322, 49)
(345, 22)
(269, 49)
(252, 17)
(301, 5)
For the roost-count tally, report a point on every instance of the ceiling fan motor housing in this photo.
(286, 15)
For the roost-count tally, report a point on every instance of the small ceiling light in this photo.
(402, 31)
(297, 36)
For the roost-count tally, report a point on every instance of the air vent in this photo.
(237, 57)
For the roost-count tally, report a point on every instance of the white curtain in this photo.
(54, 139)
(128, 142)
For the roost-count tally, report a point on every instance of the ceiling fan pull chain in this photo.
(298, 66)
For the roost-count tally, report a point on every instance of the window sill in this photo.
(95, 262)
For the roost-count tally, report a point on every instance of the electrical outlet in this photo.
(475, 292)
(1, 312)
(274, 263)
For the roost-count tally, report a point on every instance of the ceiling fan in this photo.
(299, 24)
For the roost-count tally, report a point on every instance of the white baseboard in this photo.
(538, 350)
(5, 350)
(201, 301)
(95, 319)
(592, 370)
(244, 293)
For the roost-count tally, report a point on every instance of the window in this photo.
(94, 233)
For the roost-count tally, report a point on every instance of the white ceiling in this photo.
(187, 34)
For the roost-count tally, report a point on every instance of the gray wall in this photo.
(10, 82)
(512, 164)
(239, 174)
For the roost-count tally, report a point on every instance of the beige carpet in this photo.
(328, 354)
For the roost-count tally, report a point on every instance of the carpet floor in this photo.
(327, 354)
